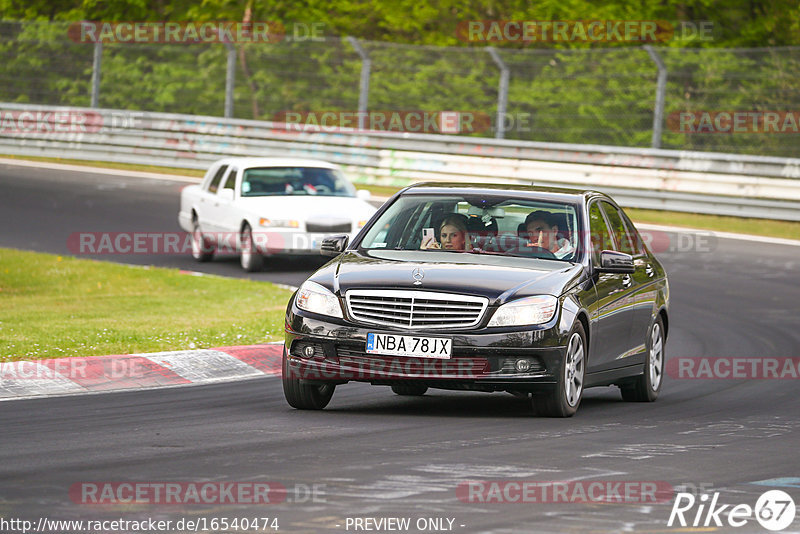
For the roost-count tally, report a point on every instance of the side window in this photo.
(619, 229)
(214, 184)
(601, 238)
(638, 241)
(230, 183)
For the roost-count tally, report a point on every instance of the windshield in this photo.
(270, 181)
(517, 227)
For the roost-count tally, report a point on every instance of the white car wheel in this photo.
(202, 250)
(251, 260)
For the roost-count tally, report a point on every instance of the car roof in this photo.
(560, 194)
(249, 162)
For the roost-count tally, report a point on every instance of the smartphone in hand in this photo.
(428, 237)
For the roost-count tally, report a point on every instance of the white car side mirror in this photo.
(363, 194)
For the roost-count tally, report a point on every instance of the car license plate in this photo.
(421, 347)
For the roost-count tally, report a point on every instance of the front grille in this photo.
(387, 366)
(415, 309)
(329, 228)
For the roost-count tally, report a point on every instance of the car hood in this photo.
(306, 207)
(496, 277)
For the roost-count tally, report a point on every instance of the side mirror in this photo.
(615, 262)
(334, 245)
(225, 194)
(363, 194)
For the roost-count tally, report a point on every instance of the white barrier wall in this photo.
(749, 186)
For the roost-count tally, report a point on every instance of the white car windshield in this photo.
(518, 227)
(273, 181)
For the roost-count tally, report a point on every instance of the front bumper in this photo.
(482, 359)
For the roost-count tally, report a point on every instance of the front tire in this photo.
(251, 260)
(648, 385)
(304, 396)
(202, 250)
(564, 399)
(409, 390)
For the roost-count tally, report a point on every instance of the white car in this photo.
(265, 206)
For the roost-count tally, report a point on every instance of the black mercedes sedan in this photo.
(539, 292)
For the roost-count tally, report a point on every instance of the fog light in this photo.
(522, 365)
(308, 351)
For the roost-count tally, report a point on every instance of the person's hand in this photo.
(429, 243)
(539, 241)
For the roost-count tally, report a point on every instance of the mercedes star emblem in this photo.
(418, 274)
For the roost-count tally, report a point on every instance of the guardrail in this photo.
(724, 184)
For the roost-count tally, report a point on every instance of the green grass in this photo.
(761, 227)
(718, 223)
(53, 306)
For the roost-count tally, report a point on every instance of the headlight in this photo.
(278, 223)
(314, 298)
(525, 311)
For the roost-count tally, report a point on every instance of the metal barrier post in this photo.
(96, 65)
(502, 92)
(658, 114)
(230, 76)
(363, 89)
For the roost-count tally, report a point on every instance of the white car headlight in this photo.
(279, 223)
(314, 298)
(525, 311)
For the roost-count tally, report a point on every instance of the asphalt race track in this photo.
(375, 455)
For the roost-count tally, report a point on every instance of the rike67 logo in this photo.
(774, 510)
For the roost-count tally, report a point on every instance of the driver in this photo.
(542, 228)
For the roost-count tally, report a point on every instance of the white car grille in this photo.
(415, 309)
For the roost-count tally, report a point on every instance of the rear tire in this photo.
(564, 399)
(409, 390)
(251, 260)
(304, 396)
(648, 385)
(202, 249)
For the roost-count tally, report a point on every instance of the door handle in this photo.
(626, 281)
(649, 270)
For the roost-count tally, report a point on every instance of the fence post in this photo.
(661, 87)
(363, 88)
(230, 76)
(502, 92)
(96, 65)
